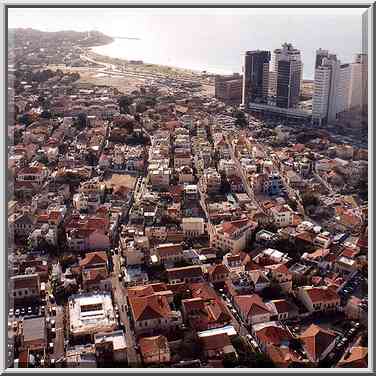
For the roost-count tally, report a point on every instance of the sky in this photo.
(218, 36)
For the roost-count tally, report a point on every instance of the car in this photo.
(11, 312)
(357, 325)
(29, 311)
(23, 311)
(42, 309)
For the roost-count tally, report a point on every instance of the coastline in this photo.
(169, 70)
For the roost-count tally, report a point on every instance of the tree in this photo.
(310, 199)
(46, 115)
(26, 119)
(81, 121)
(124, 102)
(241, 120)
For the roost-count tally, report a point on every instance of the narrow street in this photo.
(59, 339)
(120, 297)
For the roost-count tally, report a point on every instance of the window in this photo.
(19, 293)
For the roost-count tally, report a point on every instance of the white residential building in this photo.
(331, 90)
(193, 226)
(357, 94)
(232, 236)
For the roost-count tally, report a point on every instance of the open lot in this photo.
(113, 180)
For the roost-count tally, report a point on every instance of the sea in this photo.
(218, 45)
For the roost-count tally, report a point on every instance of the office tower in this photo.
(365, 61)
(288, 68)
(320, 54)
(358, 82)
(256, 77)
(331, 89)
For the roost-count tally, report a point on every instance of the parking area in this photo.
(355, 286)
(30, 310)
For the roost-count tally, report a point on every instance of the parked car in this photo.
(29, 311)
(11, 312)
(23, 311)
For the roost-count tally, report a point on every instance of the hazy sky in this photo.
(211, 33)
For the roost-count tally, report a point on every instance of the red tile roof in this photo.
(92, 258)
(322, 294)
(316, 340)
(251, 305)
(149, 307)
(274, 335)
(150, 346)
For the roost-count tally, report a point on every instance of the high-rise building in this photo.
(331, 89)
(256, 77)
(358, 82)
(288, 69)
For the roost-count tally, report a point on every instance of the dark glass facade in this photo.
(256, 76)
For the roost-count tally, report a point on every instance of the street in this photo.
(59, 339)
(120, 297)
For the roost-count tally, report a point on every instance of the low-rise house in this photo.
(218, 273)
(317, 342)
(233, 261)
(34, 334)
(36, 175)
(26, 288)
(252, 309)
(284, 357)
(21, 224)
(185, 174)
(205, 310)
(152, 314)
(321, 299)
(111, 347)
(280, 274)
(355, 357)
(282, 309)
(217, 346)
(95, 273)
(193, 227)
(282, 215)
(356, 309)
(81, 356)
(187, 274)
(232, 236)
(155, 350)
(271, 334)
(169, 253)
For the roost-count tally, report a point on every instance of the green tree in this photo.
(81, 121)
(124, 102)
(241, 120)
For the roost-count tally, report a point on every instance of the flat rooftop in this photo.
(90, 313)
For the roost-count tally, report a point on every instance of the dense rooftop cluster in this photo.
(168, 229)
